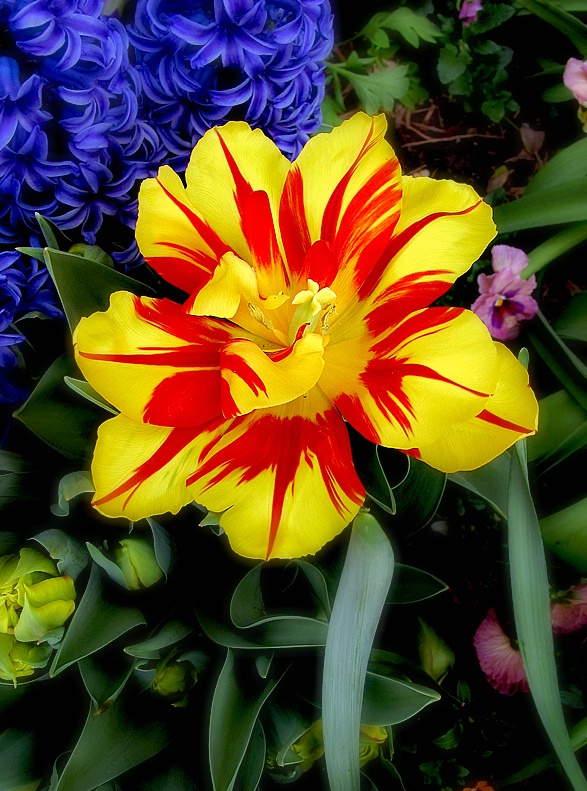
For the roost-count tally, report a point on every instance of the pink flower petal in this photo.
(575, 78)
(499, 660)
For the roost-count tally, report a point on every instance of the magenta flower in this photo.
(499, 659)
(469, 11)
(575, 78)
(569, 609)
(505, 299)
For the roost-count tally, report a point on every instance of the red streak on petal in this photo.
(239, 367)
(400, 241)
(242, 187)
(175, 443)
(406, 296)
(320, 265)
(283, 445)
(292, 220)
(334, 205)
(185, 357)
(419, 325)
(187, 398)
(179, 272)
(281, 354)
(169, 317)
(259, 231)
(209, 236)
(489, 417)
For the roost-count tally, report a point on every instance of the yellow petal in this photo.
(255, 380)
(140, 470)
(435, 368)
(228, 164)
(510, 414)
(174, 238)
(283, 477)
(152, 361)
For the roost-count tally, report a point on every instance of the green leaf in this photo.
(494, 109)
(562, 430)
(557, 93)
(84, 286)
(564, 534)
(54, 236)
(238, 698)
(370, 472)
(70, 486)
(531, 602)
(162, 545)
(566, 165)
(572, 324)
(377, 90)
(275, 632)
(172, 632)
(417, 497)
(361, 595)
(554, 247)
(492, 16)
(86, 390)
(412, 585)
(123, 736)
(388, 701)
(553, 205)
(104, 680)
(253, 763)
(568, 24)
(331, 112)
(17, 758)
(452, 62)
(96, 622)
(489, 482)
(58, 417)
(110, 567)
(413, 27)
(68, 553)
(91, 252)
(571, 372)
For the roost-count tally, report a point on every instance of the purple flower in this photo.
(505, 298)
(469, 11)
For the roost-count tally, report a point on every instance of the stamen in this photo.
(259, 316)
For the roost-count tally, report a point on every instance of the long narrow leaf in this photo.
(568, 24)
(360, 598)
(561, 203)
(531, 600)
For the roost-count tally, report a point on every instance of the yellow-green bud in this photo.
(21, 659)
(436, 657)
(35, 601)
(137, 561)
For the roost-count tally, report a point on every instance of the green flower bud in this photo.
(137, 561)
(35, 601)
(371, 738)
(435, 655)
(21, 659)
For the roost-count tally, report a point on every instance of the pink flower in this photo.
(569, 609)
(575, 78)
(499, 659)
(469, 11)
(505, 299)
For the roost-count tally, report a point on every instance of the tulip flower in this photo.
(137, 561)
(307, 287)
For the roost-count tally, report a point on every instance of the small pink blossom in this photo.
(469, 11)
(569, 609)
(575, 78)
(505, 299)
(499, 659)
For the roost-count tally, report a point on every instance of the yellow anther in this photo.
(259, 316)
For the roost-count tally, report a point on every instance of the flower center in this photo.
(314, 306)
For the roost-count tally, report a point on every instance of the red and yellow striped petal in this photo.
(509, 415)
(152, 361)
(252, 379)
(173, 237)
(140, 470)
(435, 368)
(283, 477)
(235, 178)
(345, 190)
(443, 229)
